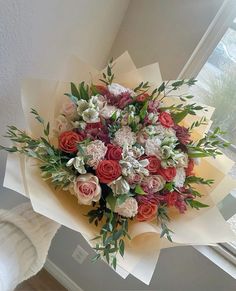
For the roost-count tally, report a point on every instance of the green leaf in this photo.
(143, 111)
(96, 258)
(114, 262)
(46, 130)
(177, 117)
(83, 91)
(169, 186)
(117, 234)
(121, 198)
(196, 204)
(178, 83)
(111, 200)
(121, 247)
(162, 87)
(74, 90)
(139, 190)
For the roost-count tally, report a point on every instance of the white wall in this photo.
(34, 32)
(166, 31)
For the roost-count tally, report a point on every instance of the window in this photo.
(214, 66)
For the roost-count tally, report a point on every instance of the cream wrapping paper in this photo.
(203, 227)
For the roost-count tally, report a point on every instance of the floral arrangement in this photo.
(123, 153)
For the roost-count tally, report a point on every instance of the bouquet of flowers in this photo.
(126, 155)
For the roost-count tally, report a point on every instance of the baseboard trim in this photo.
(61, 277)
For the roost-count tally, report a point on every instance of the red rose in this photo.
(147, 208)
(101, 89)
(113, 152)
(166, 120)
(189, 169)
(108, 171)
(168, 174)
(146, 212)
(142, 97)
(68, 141)
(154, 164)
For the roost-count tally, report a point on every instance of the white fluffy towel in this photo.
(25, 237)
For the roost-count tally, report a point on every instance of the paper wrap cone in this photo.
(203, 227)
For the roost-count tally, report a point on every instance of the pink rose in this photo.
(153, 183)
(87, 189)
(68, 109)
(134, 179)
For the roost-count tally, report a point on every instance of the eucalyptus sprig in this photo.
(163, 218)
(207, 146)
(51, 162)
(111, 238)
(109, 76)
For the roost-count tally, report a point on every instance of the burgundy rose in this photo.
(108, 171)
(68, 141)
(123, 100)
(153, 106)
(182, 134)
(154, 164)
(168, 174)
(166, 120)
(171, 198)
(93, 128)
(113, 152)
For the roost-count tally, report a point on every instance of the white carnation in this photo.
(180, 177)
(152, 146)
(117, 89)
(129, 208)
(125, 136)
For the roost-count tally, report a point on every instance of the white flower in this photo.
(82, 106)
(96, 151)
(182, 160)
(152, 146)
(107, 111)
(90, 115)
(129, 208)
(153, 117)
(166, 152)
(78, 163)
(125, 136)
(79, 124)
(61, 124)
(130, 165)
(137, 151)
(119, 186)
(117, 89)
(180, 177)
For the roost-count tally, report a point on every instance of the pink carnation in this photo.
(96, 151)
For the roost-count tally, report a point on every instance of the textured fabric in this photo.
(25, 237)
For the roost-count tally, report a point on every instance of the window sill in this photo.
(222, 255)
